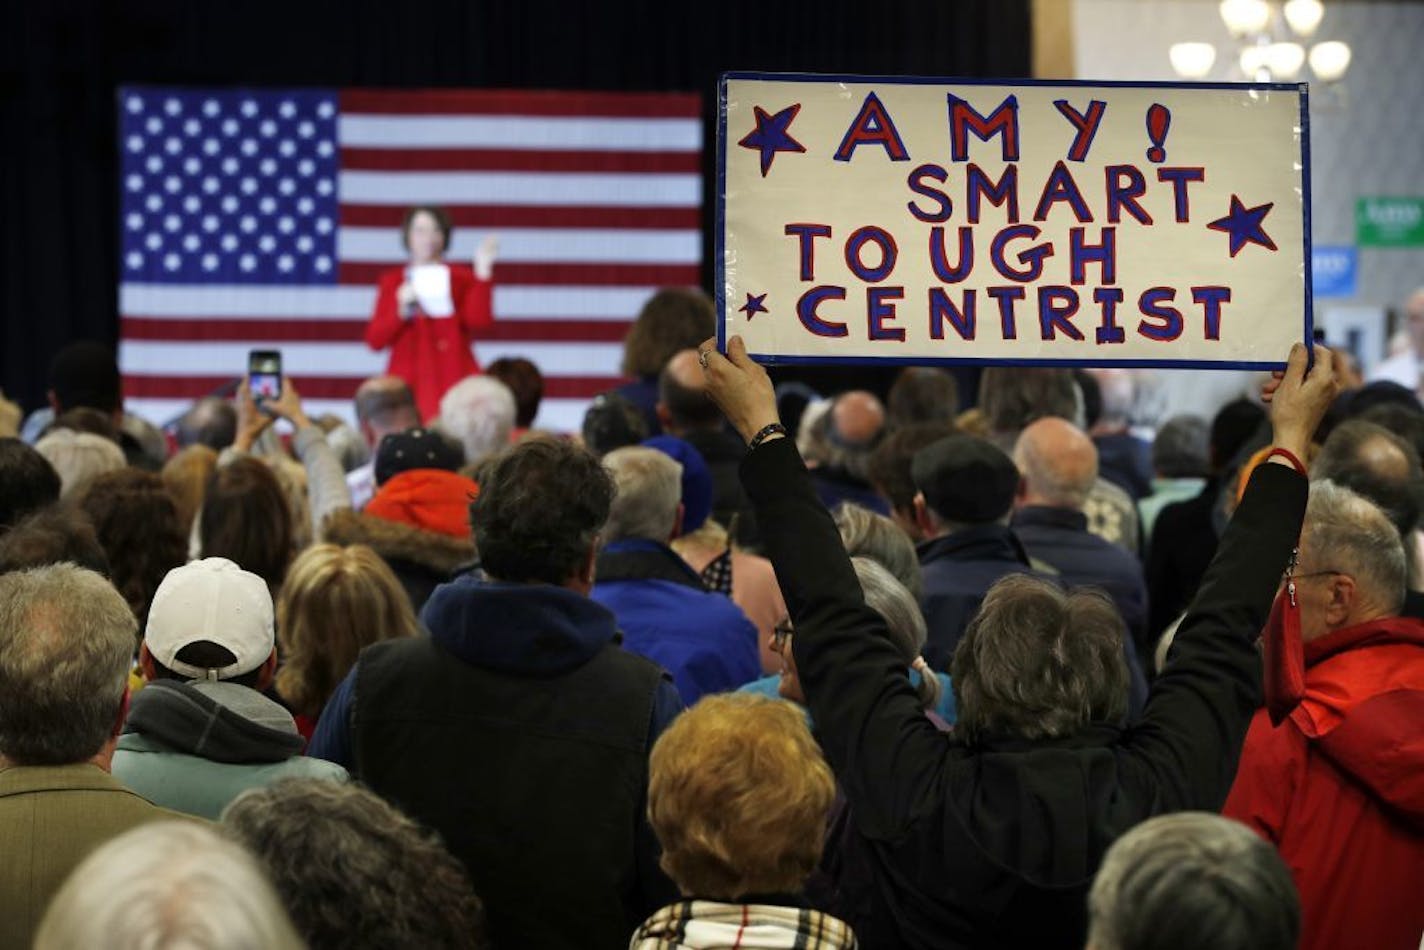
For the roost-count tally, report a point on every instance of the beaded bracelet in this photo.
(765, 433)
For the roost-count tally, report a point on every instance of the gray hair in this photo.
(865, 533)
(66, 645)
(1356, 537)
(352, 870)
(649, 489)
(1038, 663)
(478, 412)
(79, 458)
(1117, 390)
(1182, 448)
(170, 885)
(811, 437)
(901, 612)
(1189, 880)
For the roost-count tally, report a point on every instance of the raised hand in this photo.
(251, 420)
(1299, 399)
(289, 405)
(485, 256)
(739, 386)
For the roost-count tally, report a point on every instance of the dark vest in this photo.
(536, 784)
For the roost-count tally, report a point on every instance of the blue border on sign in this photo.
(720, 270)
(719, 292)
(1309, 274)
(774, 360)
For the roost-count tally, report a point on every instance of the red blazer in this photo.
(1338, 787)
(431, 354)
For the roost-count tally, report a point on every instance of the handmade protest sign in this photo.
(925, 220)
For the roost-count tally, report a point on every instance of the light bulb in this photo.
(1243, 17)
(1285, 59)
(1253, 62)
(1303, 15)
(1329, 60)
(1192, 60)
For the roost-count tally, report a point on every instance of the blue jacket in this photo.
(1060, 537)
(519, 629)
(957, 570)
(666, 614)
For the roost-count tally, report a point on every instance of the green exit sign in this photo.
(1389, 222)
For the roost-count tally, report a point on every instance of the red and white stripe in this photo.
(595, 199)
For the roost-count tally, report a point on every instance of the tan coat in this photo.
(51, 817)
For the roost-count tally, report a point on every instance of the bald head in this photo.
(1377, 464)
(385, 405)
(1385, 457)
(682, 396)
(1059, 464)
(857, 418)
(211, 421)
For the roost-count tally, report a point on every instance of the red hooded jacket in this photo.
(1338, 787)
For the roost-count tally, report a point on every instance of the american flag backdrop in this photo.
(262, 219)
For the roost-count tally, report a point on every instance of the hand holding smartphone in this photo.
(264, 375)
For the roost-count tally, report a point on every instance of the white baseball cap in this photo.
(212, 599)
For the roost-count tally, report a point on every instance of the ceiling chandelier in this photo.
(1268, 44)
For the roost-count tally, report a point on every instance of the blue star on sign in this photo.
(771, 136)
(755, 304)
(1244, 225)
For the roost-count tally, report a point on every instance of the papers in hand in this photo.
(431, 283)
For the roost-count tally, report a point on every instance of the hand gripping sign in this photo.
(926, 220)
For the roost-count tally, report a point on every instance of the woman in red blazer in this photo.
(429, 331)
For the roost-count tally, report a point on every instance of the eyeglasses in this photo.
(781, 633)
(1289, 579)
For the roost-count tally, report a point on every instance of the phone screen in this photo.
(264, 374)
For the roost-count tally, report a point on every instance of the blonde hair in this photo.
(185, 477)
(169, 884)
(335, 601)
(292, 477)
(738, 795)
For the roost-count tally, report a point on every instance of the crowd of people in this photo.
(737, 665)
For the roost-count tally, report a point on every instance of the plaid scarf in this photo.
(712, 925)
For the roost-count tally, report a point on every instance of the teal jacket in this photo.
(194, 747)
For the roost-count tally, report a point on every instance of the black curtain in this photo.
(61, 61)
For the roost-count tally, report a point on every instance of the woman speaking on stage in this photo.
(429, 312)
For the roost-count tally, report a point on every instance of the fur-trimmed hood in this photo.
(395, 541)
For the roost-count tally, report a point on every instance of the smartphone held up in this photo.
(264, 374)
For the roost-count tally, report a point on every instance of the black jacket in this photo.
(996, 844)
(520, 732)
(1184, 538)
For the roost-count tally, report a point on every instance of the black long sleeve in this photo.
(1182, 753)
